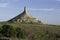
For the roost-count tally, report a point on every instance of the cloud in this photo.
(3, 4)
(41, 9)
(4, 17)
(9, 0)
(16, 0)
(57, 0)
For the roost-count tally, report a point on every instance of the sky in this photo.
(46, 10)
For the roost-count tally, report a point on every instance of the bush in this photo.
(7, 31)
(20, 33)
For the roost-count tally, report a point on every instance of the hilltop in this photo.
(25, 17)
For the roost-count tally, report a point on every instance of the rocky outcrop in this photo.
(24, 17)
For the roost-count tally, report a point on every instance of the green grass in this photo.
(34, 26)
(37, 31)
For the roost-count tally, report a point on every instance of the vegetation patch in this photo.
(30, 31)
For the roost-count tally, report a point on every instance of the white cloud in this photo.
(57, 0)
(4, 17)
(41, 9)
(16, 0)
(3, 4)
(9, 0)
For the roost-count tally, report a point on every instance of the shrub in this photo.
(20, 33)
(7, 30)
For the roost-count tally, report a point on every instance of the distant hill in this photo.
(24, 17)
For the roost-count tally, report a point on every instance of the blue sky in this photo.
(46, 10)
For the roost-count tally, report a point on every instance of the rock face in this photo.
(24, 17)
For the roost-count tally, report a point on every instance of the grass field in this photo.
(38, 31)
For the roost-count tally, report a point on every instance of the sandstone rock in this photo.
(24, 17)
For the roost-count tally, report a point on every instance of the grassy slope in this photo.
(39, 31)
